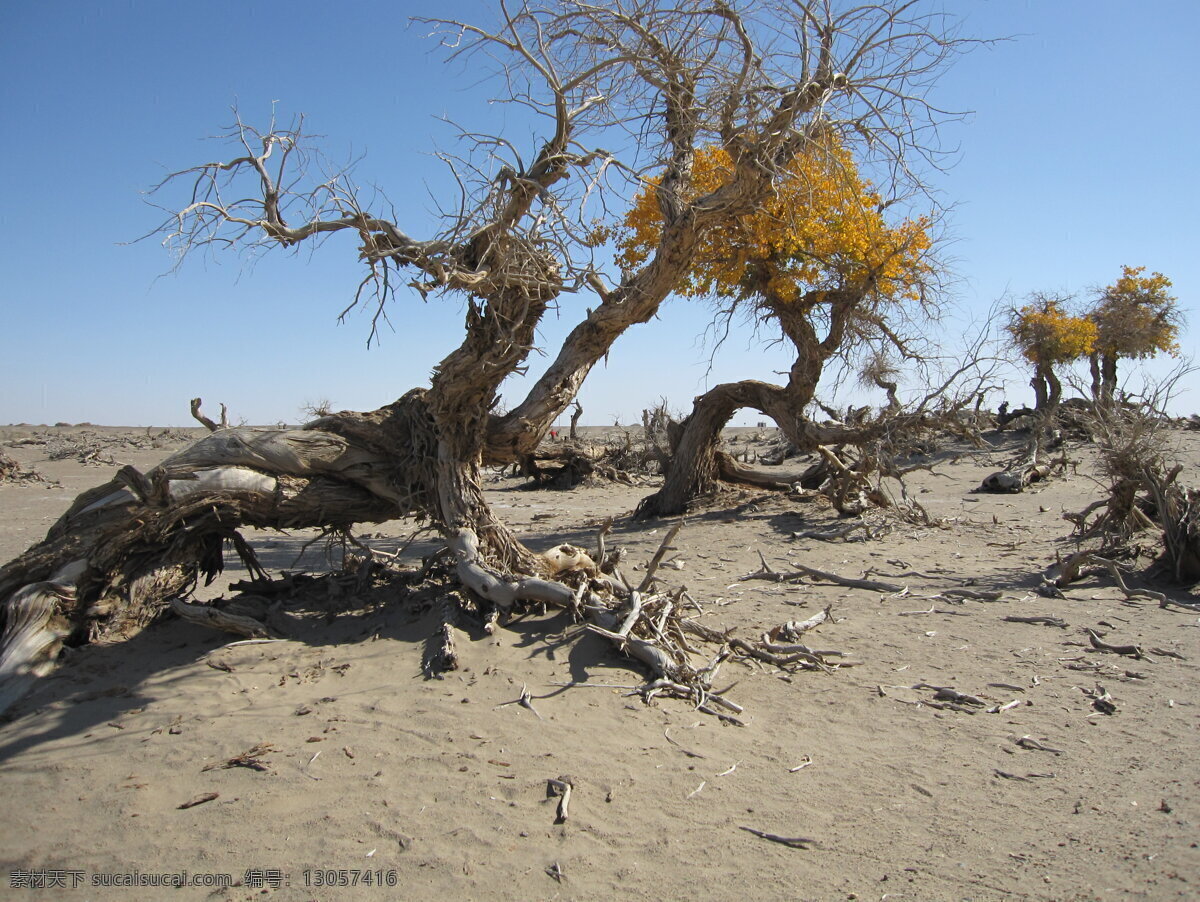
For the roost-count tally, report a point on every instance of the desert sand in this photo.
(362, 770)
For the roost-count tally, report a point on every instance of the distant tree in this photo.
(311, 410)
(1048, 336)
(1135, 317)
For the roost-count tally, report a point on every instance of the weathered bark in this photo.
(1097, 378)
(1103, 368)
(635, 301)
(693, 469)
(1047, 389)
(1108, 378)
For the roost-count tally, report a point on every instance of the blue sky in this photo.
(1078, 158)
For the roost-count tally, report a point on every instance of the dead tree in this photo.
(1144, 485)
(673, 79)
(207, 422)
(575, 415)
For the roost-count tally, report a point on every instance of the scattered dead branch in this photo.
(972, 594)
(11, 471)
(1099, 644)
(1045, 621)
(663, 548)
(251, 759)
(1129, 593)
(1028, 742)
(199, 800)
(767, 572)
(560, 789)
(525, 700)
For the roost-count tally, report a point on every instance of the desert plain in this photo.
(335, 766)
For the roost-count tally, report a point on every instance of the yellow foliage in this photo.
(822, 229)
(1136, 316)
(1046, 334)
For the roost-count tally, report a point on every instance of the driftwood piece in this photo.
(199, 800)
(442, 655)
(769, 573)
(1066, 572)
(560, 788)
(794, 629)
(32, 633)
(1046, 621)
(447, 653)
(206, 421)
(972, 594)
(1099, 644)
(490, 585)
(207, 615)
(1028, 742)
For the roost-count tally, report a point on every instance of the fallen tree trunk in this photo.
(113, 561)
(729, 470)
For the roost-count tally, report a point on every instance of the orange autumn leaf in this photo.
(1047, 335)
(822, 229)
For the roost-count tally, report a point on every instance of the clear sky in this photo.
(1079, 157)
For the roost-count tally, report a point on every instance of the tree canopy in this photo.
(822, 229)
(1135, 317)
(1047, 335)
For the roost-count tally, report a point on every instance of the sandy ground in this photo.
(418, 788)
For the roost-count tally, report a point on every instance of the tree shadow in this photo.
(95, 686)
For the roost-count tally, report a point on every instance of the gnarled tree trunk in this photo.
(693, 469)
